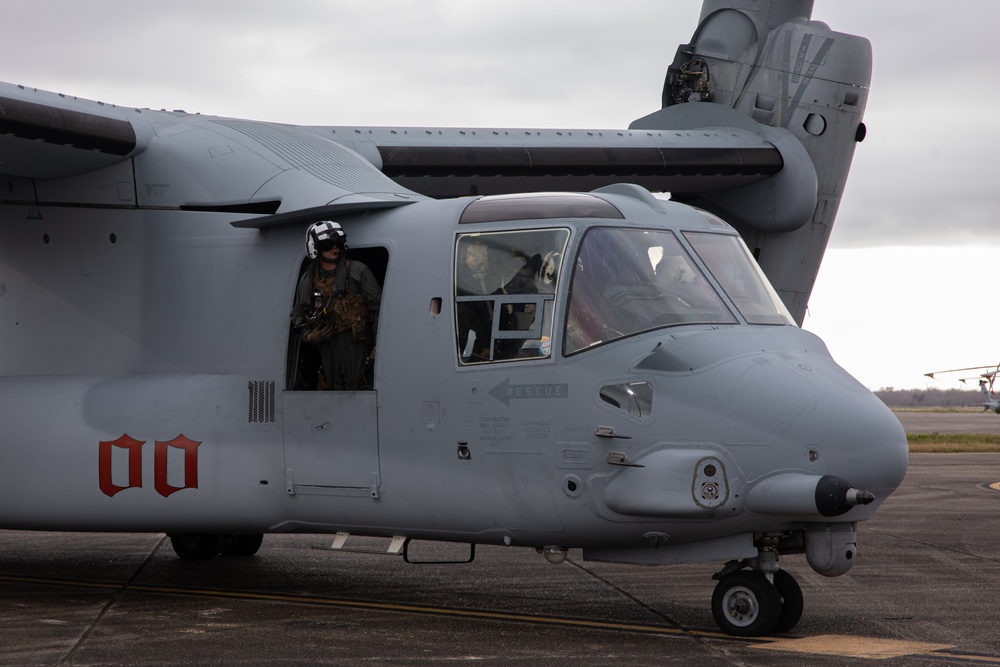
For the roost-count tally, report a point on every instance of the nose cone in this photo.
(838, 429)
(853, 435)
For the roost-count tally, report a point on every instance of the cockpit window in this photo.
(505, 285)
(626, 281)
(739, 275)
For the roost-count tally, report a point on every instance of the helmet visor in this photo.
(324, 245)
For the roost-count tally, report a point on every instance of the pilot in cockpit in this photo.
(676, 275)
(495, 271)
(475, 318)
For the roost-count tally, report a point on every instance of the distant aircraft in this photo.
(618, 376)
(990, 401)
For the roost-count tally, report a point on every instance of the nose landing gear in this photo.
(747, 604)
(759, 601)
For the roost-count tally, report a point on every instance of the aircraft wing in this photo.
(453, 162)
(45, 135)
(48, 136)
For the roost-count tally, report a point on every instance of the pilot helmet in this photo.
(322, 236)
(550, 267)
(476, 256)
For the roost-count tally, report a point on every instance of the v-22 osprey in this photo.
(563, 360)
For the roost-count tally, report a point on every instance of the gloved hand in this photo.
(320, 333)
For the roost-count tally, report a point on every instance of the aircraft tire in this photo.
(241, 546)
(746, 604)
(792, 603)
(196, 546)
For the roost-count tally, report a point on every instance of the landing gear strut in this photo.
(760, 601)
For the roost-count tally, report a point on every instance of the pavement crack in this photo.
(656, 612)
(112, 600)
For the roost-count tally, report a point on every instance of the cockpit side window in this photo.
(626, 281)
(505, 286)
(739, 275)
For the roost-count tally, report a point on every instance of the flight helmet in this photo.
(322, 236)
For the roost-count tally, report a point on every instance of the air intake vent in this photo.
(261, 401)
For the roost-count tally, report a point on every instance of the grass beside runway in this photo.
(949, 430)
(953, 442)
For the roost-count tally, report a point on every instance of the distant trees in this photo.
(929, 398)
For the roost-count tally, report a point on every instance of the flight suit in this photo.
(340, 309)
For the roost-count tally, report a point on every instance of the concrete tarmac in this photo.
(923, 592)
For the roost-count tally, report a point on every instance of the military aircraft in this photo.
(985, 379)
(636, 387)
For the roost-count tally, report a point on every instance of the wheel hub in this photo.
(741, 606)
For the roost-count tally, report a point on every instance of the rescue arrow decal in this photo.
(505, 391)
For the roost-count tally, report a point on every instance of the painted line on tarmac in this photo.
(362, 604)
(817, 645)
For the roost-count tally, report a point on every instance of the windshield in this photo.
(626, 281)
(739, 275)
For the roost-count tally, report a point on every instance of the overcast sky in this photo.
(906, 285)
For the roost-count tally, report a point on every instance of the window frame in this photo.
(515, 303)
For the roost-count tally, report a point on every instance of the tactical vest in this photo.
(346, 309)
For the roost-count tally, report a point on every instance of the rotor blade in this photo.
(959, 370)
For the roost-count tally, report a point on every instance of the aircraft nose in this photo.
(849, 435)
(784, 407)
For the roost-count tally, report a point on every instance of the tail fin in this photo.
(804, 87)
(987, 397)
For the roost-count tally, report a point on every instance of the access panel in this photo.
(331, 441)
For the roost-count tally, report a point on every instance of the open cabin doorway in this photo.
(330, 437)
